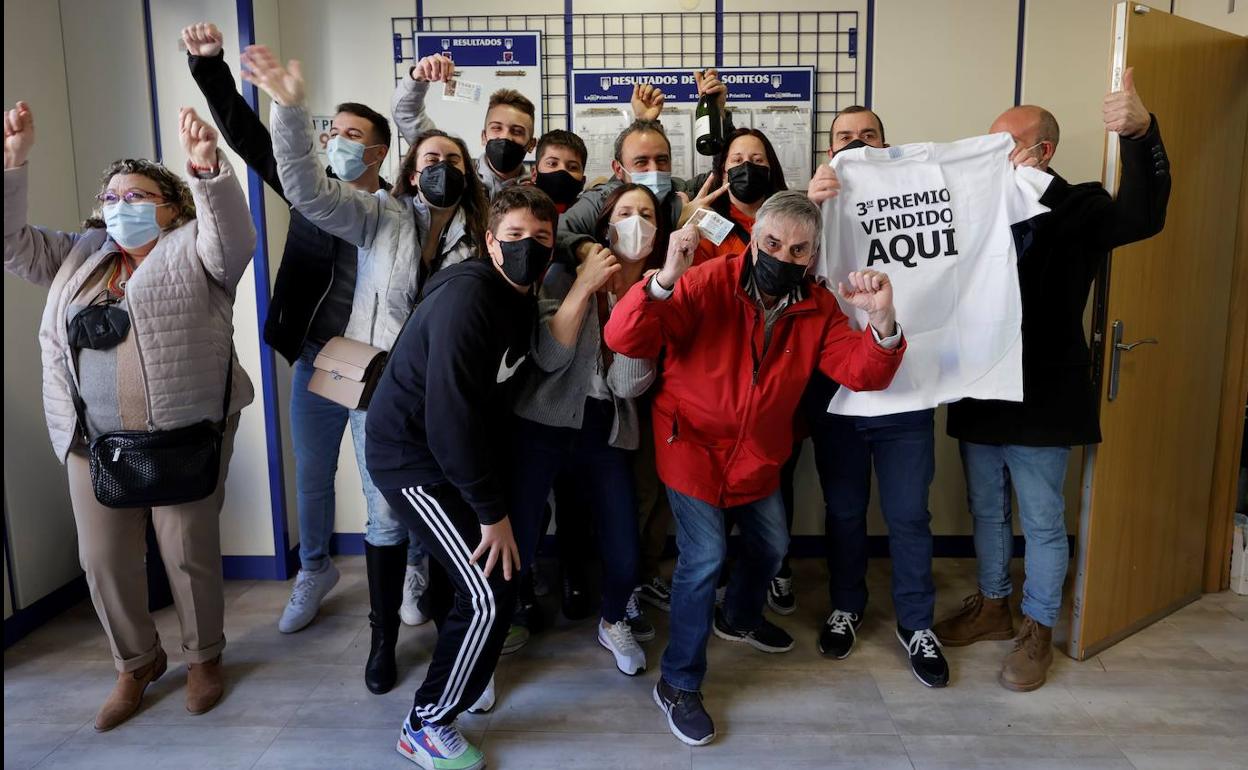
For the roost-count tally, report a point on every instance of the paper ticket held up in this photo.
(459, 90)
(714, 228)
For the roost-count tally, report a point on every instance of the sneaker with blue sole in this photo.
(438, 747)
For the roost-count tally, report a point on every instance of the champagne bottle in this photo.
(708, 126)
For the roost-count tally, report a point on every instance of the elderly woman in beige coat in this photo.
(169, 255)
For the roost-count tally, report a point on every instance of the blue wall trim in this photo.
(346, 544)
(567, 59)
(259, 567)
(151, 80)
(27, 619)
(1018, 55)
(868, 83)
(268, 367)
(719, 33)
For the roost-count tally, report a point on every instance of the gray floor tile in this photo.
(135, 746)
(331, 749)
(413, 650)
(256, 694)
(253, 637)
(978, 705)
(1181, 752)
(49, 692)
(803, 752)
(770, 701)
(341, 700)
(583, 751)
(1019, 752)
(1164, 702)
(1173, 695)
(1175, 646)
(568, 700)
(25, 744)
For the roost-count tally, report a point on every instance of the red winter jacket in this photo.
(723, 415)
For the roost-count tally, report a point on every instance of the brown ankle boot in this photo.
(204, 685)
(1025, 667)
(127, 694)
(979, 619)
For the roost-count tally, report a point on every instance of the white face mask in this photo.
(632, 238)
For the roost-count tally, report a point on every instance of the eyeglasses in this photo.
(109, 197)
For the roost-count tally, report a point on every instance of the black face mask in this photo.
(99, 327)
(775, 277)
(504, 155)
(851, 146)
(750, 182)
(561, 186)
(442, 184)
(525, 260)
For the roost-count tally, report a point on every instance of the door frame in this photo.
(1230, 437)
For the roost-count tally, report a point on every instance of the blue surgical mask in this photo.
(346, 158)
(132, 225)
(659, 182)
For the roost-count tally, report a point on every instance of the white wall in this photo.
(246, 520)
(83, 68)
(36, 499)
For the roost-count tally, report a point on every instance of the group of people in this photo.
(553, 350)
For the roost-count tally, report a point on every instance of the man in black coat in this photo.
(312, 301)
(1028, 443)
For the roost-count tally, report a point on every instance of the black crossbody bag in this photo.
(145, 469)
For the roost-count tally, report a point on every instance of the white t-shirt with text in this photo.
(936, 219)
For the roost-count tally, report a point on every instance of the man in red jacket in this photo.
(743, 335)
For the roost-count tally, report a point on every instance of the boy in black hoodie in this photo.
(433, 429)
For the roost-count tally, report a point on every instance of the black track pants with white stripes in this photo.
(471, 636)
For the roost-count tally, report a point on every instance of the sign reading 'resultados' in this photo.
(745, 84)
(491, 49)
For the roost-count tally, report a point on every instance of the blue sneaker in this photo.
(438, 747)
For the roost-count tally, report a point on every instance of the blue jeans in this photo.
(316, 428)
(604, 475)
(901, 447)
(702, 540)
(1038, 474)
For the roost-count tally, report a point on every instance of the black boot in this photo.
(386, 567)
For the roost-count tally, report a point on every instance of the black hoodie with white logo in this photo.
(441, 408)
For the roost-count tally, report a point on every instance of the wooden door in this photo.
(1146, 487)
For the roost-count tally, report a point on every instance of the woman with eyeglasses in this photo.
(137, 336)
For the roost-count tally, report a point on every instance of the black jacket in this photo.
(439, 413)
(1067, 247)
(306, 271)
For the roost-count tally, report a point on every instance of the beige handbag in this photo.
(347, 372)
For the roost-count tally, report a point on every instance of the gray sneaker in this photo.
(305, 599)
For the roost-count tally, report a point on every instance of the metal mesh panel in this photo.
(828, 40)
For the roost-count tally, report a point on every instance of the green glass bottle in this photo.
(708, 126)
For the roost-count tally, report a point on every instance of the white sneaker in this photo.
(486, 701)
(305, 599)
(435, 747)
(414, 584)
(630, 659)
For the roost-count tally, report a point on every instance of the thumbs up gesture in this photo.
(1124, 112)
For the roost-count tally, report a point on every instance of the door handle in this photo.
(1115, 356)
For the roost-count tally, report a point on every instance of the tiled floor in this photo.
(1174, 695)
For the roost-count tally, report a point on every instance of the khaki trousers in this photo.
(112, 547)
